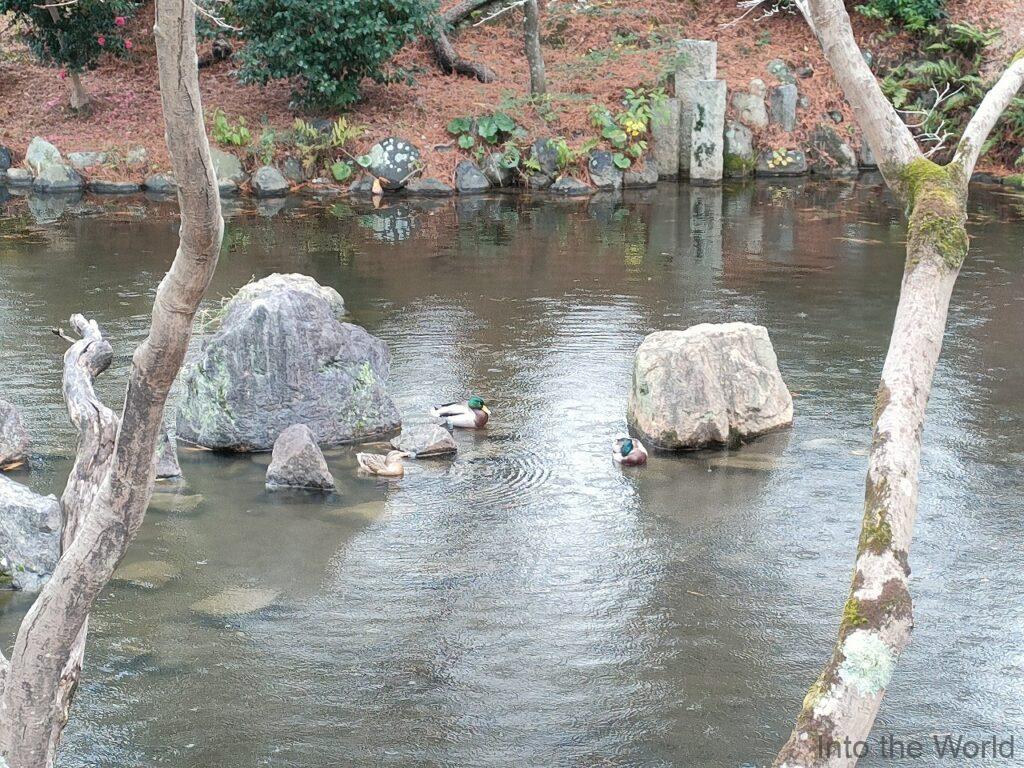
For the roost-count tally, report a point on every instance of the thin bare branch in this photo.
(500, 11)
(989, 111)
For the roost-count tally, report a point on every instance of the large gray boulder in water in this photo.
(29, 535)
(283, 356)
(14, 440)
(298, 462)
(707, 386)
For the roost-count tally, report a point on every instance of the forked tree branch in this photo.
(989, 111)
(113, 481)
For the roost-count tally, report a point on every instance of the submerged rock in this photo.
(14, 439)
(148, 574)
(166, 456)
(30, 527)
(567, 185)
(781, 162)
(236, 601)
(283, 356)
(102, 187)
(428, 188)
(298, 462)
(425, 441)
(19, 177)
(708, 385)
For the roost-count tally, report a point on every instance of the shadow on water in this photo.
(530, 602)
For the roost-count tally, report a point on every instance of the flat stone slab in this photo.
(148, 574)
(426, 441)
(100, 187)
(235, 601)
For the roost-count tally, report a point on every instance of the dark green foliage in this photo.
(329, 45)
(914, 15)
(950, 61)
(82, 32)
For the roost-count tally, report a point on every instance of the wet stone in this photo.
(469, 179)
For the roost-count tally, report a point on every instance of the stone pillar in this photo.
(665, 132)
(782, 106)
(708, 130)
(695, 60)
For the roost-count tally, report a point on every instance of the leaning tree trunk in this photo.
(110, 485)
(841, 706)
(534, 55)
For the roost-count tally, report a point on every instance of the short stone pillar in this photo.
(696, 60)
(782, 106)
(665, 132)
(708, 130)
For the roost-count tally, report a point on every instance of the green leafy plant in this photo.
(491, 129)
(328, 45)
(939, 91)
(627, 130)
(228, 133)
(265, 146)
(913, 15)
(320, 148)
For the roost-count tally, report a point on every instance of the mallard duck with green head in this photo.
(629, 451)
(472, 414)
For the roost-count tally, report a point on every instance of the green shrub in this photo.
(914, 15)
(330, 45)
(82, 32)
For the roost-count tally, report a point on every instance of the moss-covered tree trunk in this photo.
(840, 707)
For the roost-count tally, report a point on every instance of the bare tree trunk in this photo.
(110, 485)
(841, 706)
(448, 60)
(534, 55)
(78, 95)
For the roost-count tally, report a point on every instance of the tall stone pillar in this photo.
(696, 60)
(665, 132)
(708, 132)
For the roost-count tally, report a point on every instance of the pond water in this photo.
(531, 603)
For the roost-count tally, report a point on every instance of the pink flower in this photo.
(101, 40)
(127, 45)
(63, 74)
(119, 21)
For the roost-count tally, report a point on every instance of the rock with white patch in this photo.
(709, 385)
(425, 441)
(394, 161)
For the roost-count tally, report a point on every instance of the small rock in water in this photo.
(14, 439)
(166, 456)
(469, 179)
(604, 174)
(571, 187)
(644, 176)
(30, 527)
(267, 181)
(176, 502)
(428, 188)
(496, 171)
(161, 183)
(148, 574)
(235, 601)
(19, 177)
(425, 441)
(227, 166)
(297, 461)
(756, 462)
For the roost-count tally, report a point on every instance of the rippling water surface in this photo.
(530, 603)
